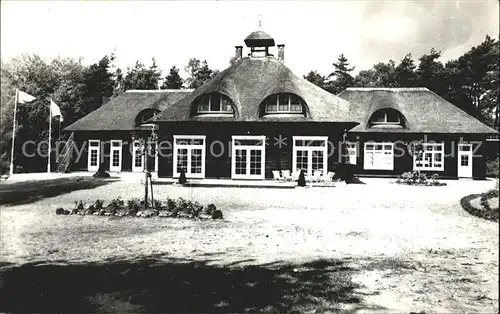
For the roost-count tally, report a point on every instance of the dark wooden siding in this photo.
(218, 163)
(405, 161)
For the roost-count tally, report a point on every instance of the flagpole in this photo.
(50, 131)
(11, 171)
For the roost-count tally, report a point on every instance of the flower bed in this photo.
(174, 208)
(483, 209)
(420, 179)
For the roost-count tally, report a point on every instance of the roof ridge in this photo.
(184, 90)
(390, 89)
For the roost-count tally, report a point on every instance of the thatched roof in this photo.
(120, 112)
(259, 39)
(424, 111)
(248, 82)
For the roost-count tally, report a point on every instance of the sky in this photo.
(314, 33)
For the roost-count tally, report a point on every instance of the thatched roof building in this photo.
(121, 112)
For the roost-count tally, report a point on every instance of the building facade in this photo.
(257, 116)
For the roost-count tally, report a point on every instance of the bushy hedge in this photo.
(486, 212)
(492, 168)
(135, 207)
(416, 178)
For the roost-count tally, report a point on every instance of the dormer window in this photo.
(283, 103)
(387, 118)
(214, 103)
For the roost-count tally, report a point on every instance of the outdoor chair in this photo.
(316, 176)
(286, 175)
(327, 178)
(296, 175)
(277, 175)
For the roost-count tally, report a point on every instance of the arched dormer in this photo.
(283, 103)
(387, 118)
(144, 115)
(212, 103)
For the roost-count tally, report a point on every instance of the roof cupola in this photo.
(259, 43)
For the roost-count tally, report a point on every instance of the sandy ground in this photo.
(447, 260)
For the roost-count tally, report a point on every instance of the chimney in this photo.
(238, 52)
(281, 52)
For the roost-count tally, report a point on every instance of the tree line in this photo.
(470, 82)
(78, 89)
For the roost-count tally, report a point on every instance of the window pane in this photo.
(226, 105)
(369, 147)
(295, 104)
(215, 102)
(248, 142)
(283, 104)
(387, 147)
(271, 104)
(378, 117)
(392, 116)
(203, 106)
(378, 147)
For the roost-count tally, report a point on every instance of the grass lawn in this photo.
(376, 247)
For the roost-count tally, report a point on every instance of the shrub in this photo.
(210, 209)
(182, 177)
(217, 214)
(60, 211)
(99, 204)
(195, 209)
(79, 205)
(134, 205)
(171, 204)
(116, 203)
(157, 204)
(182, 204)
(302, 179)
(492, 168)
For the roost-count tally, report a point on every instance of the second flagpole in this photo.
(50, 131)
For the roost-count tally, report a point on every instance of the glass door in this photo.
(248, 160)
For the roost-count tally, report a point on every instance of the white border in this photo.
(433, 151)
(372, 167)
(471, 160)
(98, 148)
(189, 147)
(119, 149)
(310, 149)
(262, 148)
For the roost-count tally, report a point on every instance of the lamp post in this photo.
(147, 142)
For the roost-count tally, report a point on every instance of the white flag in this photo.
(22, 97)
(55, 111)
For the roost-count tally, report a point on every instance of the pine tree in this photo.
(341, 76)
(405, 72)
(173, 80)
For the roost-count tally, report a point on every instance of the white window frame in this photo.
(467, 172)
(385, 122)
(352, 152)
(376, 152)
(425, 166)
(220, 111)
(134, 153)
(98, 148)
(189, 147)
(267, 111)
(310, 150)
(115, 148)
(261, 147)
